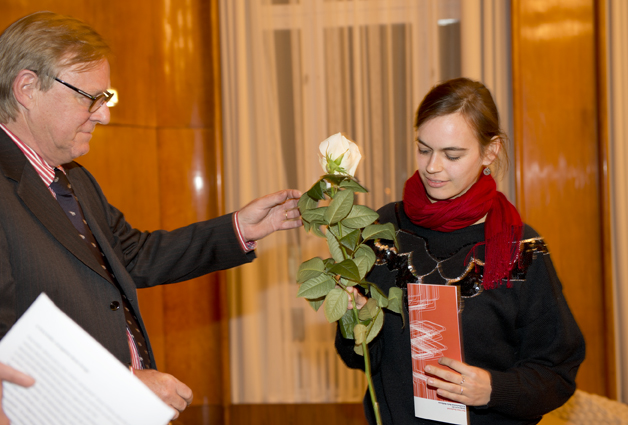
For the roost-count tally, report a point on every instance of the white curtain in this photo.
(486, 57)
(295, 72)
(618, 98)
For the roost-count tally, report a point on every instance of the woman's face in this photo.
(449, 156)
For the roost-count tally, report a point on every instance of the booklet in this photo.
(434, 333)
(77, 380)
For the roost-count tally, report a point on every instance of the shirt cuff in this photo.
(247, 246)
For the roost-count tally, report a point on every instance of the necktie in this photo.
(69, 203)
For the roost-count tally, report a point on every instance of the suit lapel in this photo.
(41, 203)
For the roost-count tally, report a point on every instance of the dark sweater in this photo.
(523, 332)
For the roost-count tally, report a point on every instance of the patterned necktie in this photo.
(69, 203)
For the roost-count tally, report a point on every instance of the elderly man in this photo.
(58, 233)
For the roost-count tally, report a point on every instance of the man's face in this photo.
(60, 122)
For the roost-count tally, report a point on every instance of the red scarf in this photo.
(502, 228)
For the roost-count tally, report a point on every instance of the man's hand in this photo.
(263, 216)
(168, 388)
(7, 373)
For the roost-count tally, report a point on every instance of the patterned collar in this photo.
(45, 171)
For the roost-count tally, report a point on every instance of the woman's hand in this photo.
(360, 299)
(464, 384)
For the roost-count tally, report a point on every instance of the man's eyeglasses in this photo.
(97, 101)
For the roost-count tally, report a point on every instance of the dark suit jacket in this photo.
(40, 251)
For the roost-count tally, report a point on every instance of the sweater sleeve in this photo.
(550, 349)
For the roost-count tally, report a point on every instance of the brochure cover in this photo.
(434, 333)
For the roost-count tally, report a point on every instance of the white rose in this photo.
(334, 147)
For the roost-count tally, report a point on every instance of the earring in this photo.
(487, 171)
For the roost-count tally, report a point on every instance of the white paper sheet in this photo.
(77, 380)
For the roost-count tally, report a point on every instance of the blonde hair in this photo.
(45, 43)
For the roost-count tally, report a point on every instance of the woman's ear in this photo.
(25, 88)
(492, 151)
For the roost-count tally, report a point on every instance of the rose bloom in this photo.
(337, 145)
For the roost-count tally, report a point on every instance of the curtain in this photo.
(486, 57)
(618, 98)
(295, 72)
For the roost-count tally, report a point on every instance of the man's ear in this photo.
(26, 88)
(492, 151)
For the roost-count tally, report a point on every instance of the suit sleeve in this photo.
(7, 288)
(162, 257)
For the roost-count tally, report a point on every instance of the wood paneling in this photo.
(192, 310)
(297, 414)
(186, 65)
(605, 194)
(558, 158)
(129, 28)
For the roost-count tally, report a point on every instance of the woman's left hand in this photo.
(464, 384)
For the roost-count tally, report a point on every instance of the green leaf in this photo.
(329, 263)
(316, 287)
(334, 247)
(336, 303)
(359, 217)
(339, 230)
(336, 179)
(353, 186)
(369, 310)
(363, 265)
(339, 207)
(358, 350)
(359, 332)
(379, 296)
(316, 303)
(316, 214)
(316, 191)
(316, 228)
(306, 203)
(347, 269)
(395, 299)
(376, 326)
(310, 269)
(347, 323)
(306, 226)
(379, 231)
(367, 252)
(351, 240)
(347, 283)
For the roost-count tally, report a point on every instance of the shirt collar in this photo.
(45, 171)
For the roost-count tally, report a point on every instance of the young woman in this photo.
(522, 346)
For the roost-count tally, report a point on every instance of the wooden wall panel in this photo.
(129, 29)
(297, 414)
(557, 158)
(192, 310)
